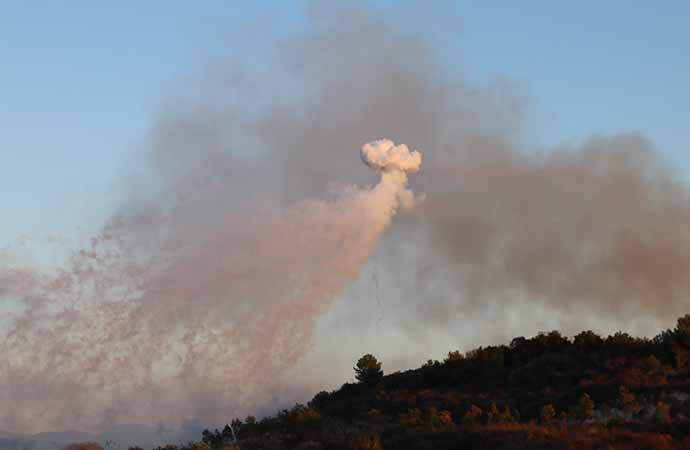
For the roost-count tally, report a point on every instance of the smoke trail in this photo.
(200, 328)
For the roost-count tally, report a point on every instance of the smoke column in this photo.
(197, 330)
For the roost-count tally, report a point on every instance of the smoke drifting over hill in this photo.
(207, 284)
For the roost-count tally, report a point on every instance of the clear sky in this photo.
(80, 82)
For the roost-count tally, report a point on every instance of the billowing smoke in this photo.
(206, 287)
(198, 328)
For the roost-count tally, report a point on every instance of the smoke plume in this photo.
(205, 288)
(197, 328)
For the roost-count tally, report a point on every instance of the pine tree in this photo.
(368, 370)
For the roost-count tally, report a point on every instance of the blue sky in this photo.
(80, 83)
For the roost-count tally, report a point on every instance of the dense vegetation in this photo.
(546, 392)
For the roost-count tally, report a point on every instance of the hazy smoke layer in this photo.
(205, 286)
(198, 328)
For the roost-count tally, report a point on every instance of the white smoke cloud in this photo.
(383, 154)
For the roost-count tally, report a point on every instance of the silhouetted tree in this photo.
(368, 370)
(454, 356)
(620, 342)
(681, 341)
(216, 439)
(587, 341)
(319, 400)
(228, 434)
(236, 426)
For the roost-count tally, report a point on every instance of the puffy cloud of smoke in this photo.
(198, 295)
(385, 155)
(394, 161)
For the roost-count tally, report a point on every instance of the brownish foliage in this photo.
(84, 446)
(367, 441)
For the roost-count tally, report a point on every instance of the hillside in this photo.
(544, 392)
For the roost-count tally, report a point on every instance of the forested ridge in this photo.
(544, 392)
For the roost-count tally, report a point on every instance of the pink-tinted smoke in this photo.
(197, 329)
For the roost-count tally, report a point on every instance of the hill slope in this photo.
(545, 392)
